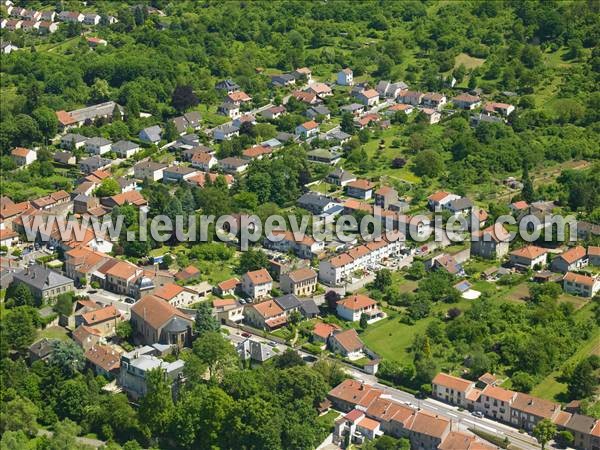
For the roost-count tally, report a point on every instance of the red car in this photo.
(246, 335)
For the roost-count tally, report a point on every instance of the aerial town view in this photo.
(297, 225)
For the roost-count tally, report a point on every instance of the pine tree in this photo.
(527, 192)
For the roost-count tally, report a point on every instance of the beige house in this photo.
(583, 285)
(103, 320)
(301, 282)
(451, 389)
(495, 403)
(257, 284)
(266, 315)
(528, 257)
(490, 243)
(23, 156)
(228, 310)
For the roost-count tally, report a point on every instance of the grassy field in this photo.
(55, 332)
(392, 339)
(550, 388)
(470, 62)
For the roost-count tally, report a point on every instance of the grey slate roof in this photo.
(97, 141)
(309, 308)
(460, 204)
(124, 146)
(41, 278)
(91, 112)
(176, 325)
(153, 133)
(288, 302)
(314, 199)
(74, 138)
(254, 350)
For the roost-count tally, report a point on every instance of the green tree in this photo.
(64, 304)
(417, 270)
(47, 121)
(18, 329)
(18, 294)
(544, 431)
(171, 134)
(527, 192)
(364, 321)
(289, 358)
(522, 382)
(205, 321)
(73, 398)
(383, 279)
(68, 357)
(428, 163)
(108, 188)
(156, 407)
(583, 381)
(19, 414)
(564, 439)
(253, 260)
(216, 353)
(100, 90)
(124, 330)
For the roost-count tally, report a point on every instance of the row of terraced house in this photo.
(515, 408)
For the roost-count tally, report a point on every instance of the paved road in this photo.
(462, 419)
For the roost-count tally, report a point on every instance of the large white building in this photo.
(337, 269)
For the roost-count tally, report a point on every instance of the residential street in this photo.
(463, 420)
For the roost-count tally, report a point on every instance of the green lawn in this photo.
(470, 62)
(54, 332)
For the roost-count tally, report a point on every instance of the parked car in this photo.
(129, 300)
(477, 414)
(246, 335)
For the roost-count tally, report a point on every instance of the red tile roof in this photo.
(228, 284)
(452, 382)
(365, 185)
(168, 291)
(573, 254)
(357, 302)
(268, 309)
(324, 330)
(529, 252)
(260, 276)
(104, 357)
(65, 118)
(349, 340)
(579, 279)
(438, 196)
(100, 315)
(310, 125)
(155, 311)
(239, 96)
(20, 151)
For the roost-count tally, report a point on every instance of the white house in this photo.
(225, 132)
(204, 161)
(576, 284)
(125, 149)
(257, 284)
(98, 146)
(307, 129)
(23, 156)
(345, 77)
(149, 169)
(353, 307)
(368, 97)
